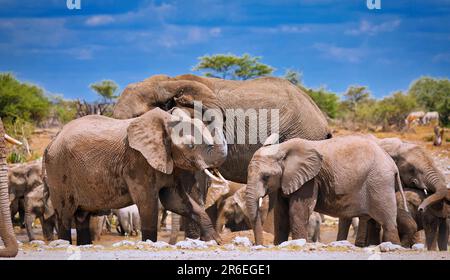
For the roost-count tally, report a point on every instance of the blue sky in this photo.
(334, 43)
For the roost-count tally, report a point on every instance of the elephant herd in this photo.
(141, 157)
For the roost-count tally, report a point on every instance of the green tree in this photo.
(229, 66)
(356, 95)
(393, 110)
(106, 89)
(22, 101)
(327, 101)
(434, 95)
(293, 76)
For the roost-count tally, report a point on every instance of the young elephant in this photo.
(34, 208)
(97, 163)
(232, 211)
(417, 171)
(22, 179)
(343, 177)
(128, 219)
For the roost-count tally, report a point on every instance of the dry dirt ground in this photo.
(105, 249)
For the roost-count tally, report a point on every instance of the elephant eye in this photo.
(190, 146)
(265, 177)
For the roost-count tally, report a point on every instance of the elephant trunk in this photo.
(6, 227)
(435, 182)
(252, 197)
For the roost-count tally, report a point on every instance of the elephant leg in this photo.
(281, 219)
(175, 228)
(163, 218)
(148, 211)
(443, 234)
(196, 187)
(82, 222)
(430, 226)
(361, 234)
(29, 219)
(14, 210)
(64, 228)
(373, 232)
(179, 202)
(47, 228)
(301, 206)
(407, 228)
(22, 213)
(344, 227)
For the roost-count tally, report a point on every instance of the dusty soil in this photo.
(420, 135)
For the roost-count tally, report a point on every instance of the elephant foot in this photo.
(212, 236)
(149, 235)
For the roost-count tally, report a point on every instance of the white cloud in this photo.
(99, 20)
(353, 55)
(367, 28)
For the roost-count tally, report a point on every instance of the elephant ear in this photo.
(239, 199)
(148, 135)
(300, 166)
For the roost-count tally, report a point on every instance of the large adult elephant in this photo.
(299, 116)
(6, 227)
(98, 163)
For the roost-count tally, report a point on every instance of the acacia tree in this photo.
(229, 66)
(106, 89)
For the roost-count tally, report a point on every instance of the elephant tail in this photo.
(400, 188)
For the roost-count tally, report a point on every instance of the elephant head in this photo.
(287, 166)
(168, 139)
(163, 92)
(417, 169)
(6, 228)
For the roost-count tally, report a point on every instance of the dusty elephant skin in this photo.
(417, 171)
(98, 163)
(6, 227)
(35, 208)
(342, 177)
(22, 180)
(262, 93)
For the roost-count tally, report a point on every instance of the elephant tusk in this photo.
(220, 176)
(207, 172)
(12, 140)
(425, 191)
(260, 201)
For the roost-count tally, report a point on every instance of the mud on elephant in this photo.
(343, 177)
(98, 163)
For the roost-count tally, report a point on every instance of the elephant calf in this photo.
(348, 176)
(35, 208)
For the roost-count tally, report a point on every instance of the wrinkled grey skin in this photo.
(314, 227)
(299, 115)
(129, 222)
(23, 179)
(35, 208)
(433, 221)
(417, 171)
(344, 177)
(97, 163)
(6, 228)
